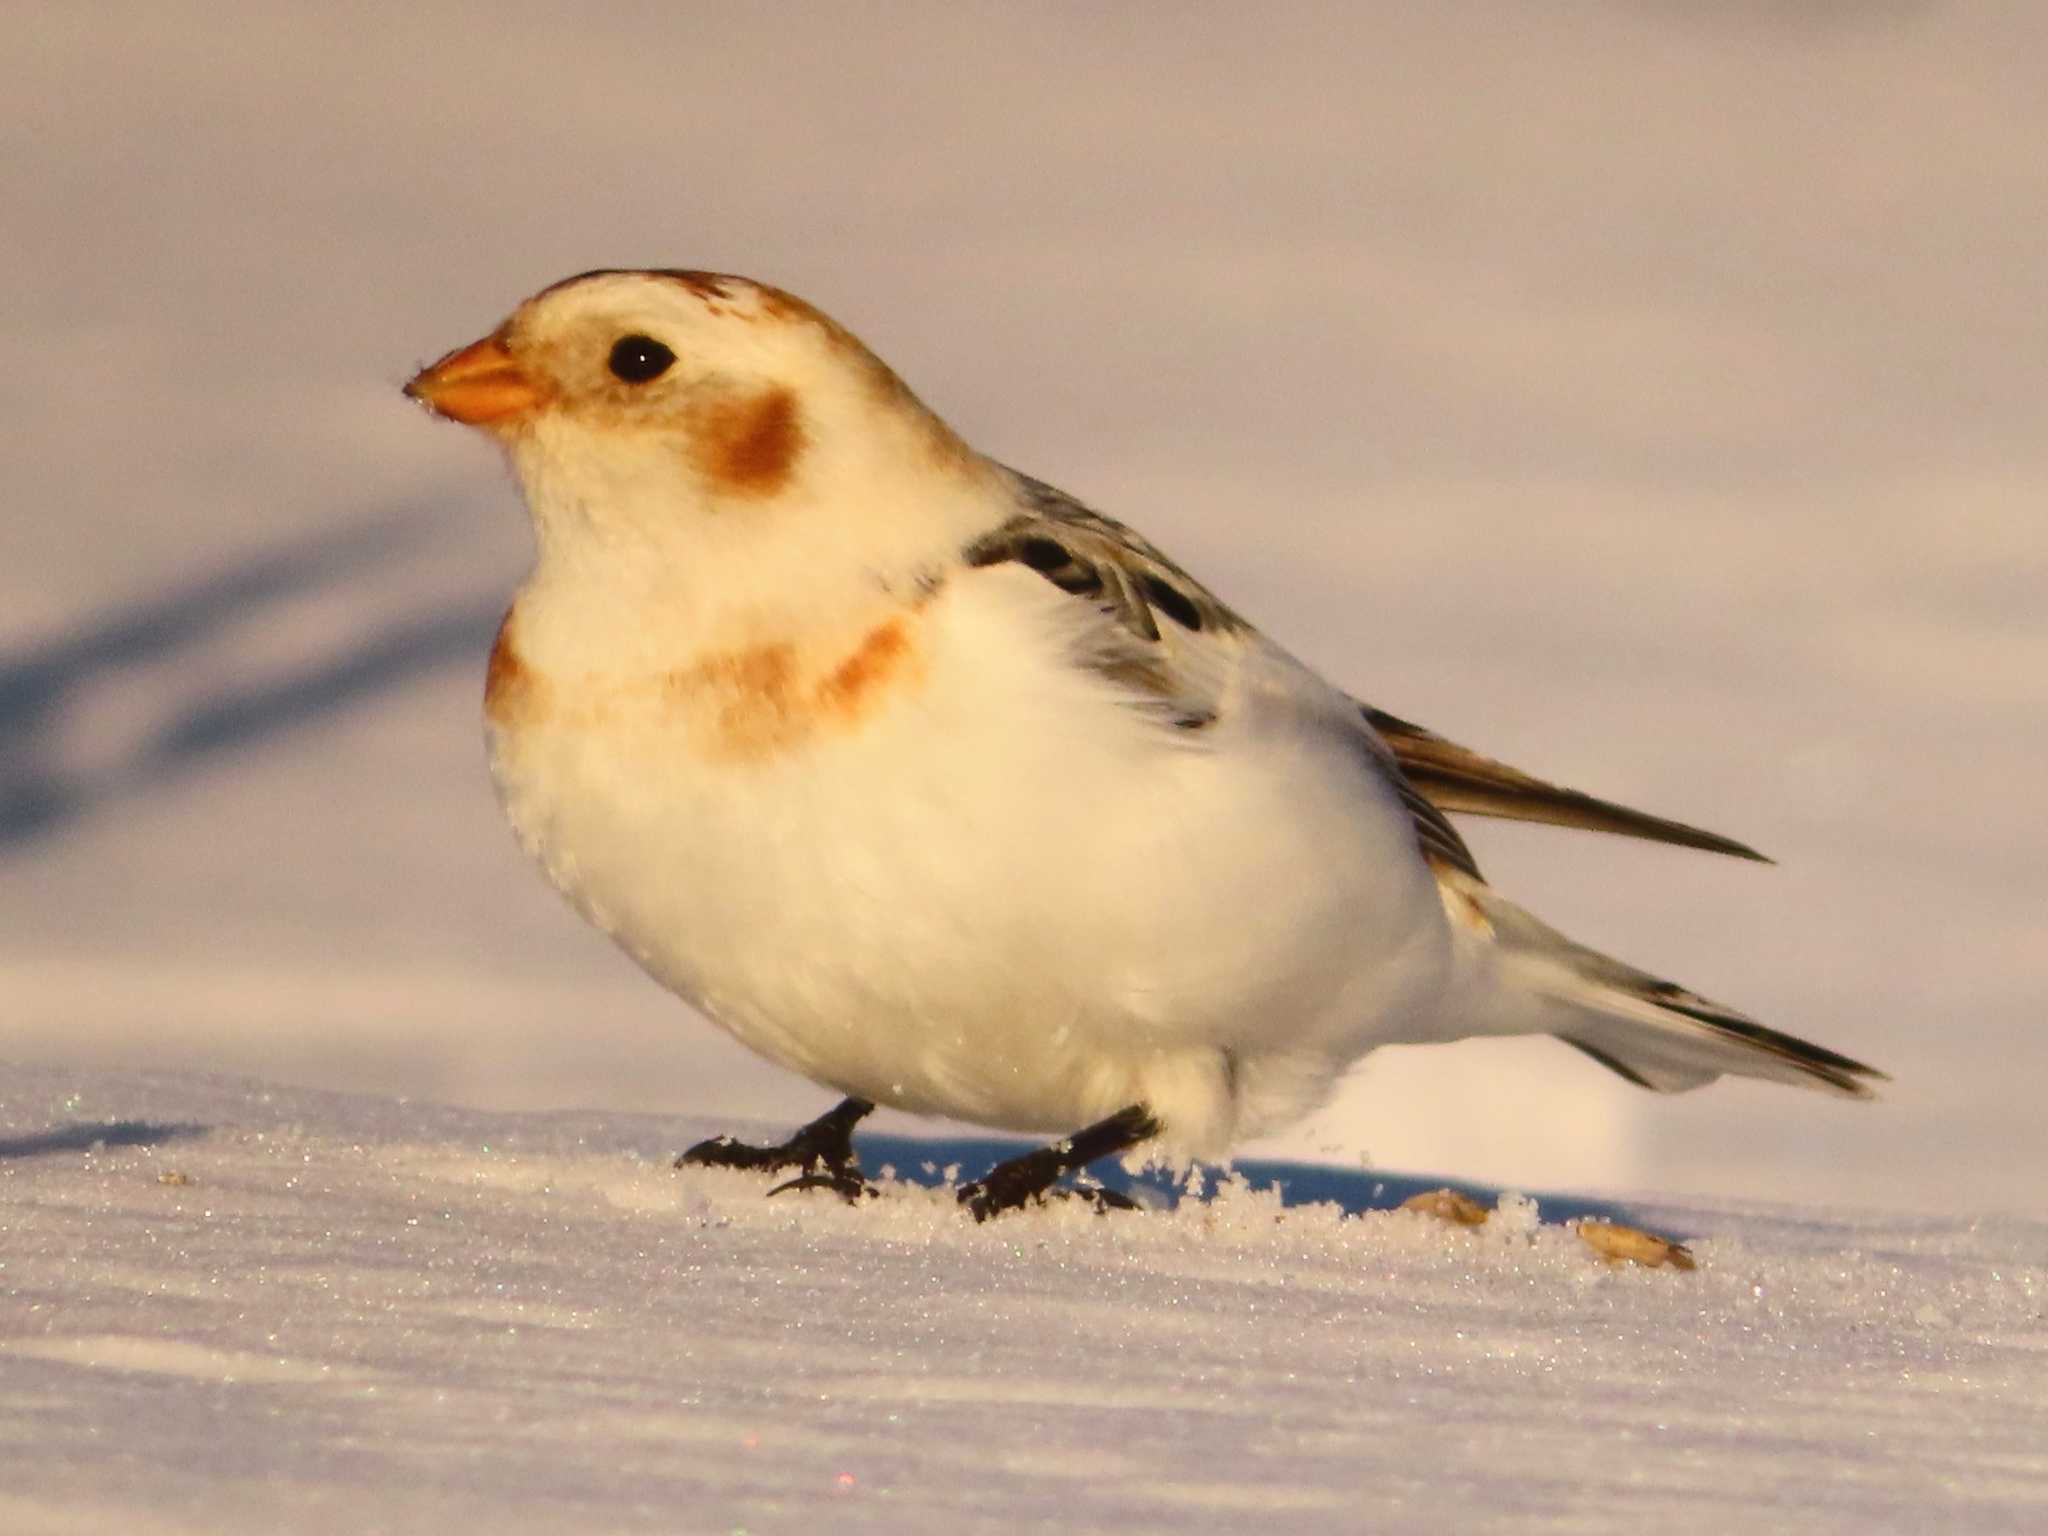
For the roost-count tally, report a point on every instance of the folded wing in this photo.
(1455, 778)
(1176, 646)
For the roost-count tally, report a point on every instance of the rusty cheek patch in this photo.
(512, 691)
(754, 704)
(749, 447)
(943, 443)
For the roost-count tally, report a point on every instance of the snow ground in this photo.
(229, 1306)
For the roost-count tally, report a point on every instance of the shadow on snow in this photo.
(42, 685)
(1355, 1190)
(86, 1136)
(928, 1164)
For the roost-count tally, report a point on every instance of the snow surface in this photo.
(229, 1306)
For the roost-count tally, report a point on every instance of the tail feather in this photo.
(1655, 1033)
(1663, 1037)
(1656, 1082)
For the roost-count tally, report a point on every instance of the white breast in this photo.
(970, 880)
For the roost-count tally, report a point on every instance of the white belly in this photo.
(1001, 897)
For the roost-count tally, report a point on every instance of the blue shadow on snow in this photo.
(87, 1135)
(915, 1160)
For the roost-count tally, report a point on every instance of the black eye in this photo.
(636, 359)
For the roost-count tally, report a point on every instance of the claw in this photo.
(1029, 1178)
(985, 1202)
(824, 1148)
(1104, 1200)
(845, 1183)
(996, 1194)
(724, 1152)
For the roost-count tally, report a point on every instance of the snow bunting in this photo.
(928, 782)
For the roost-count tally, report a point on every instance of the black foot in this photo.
(846, 1183)
(1028, 1179)
(986, 1199)
(1102, 1200)
(821, 1151)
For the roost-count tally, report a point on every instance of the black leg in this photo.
(822, 1152)
(1024, 1179)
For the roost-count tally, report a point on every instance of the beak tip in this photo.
(480, 385)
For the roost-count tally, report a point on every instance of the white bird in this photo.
(931, 784)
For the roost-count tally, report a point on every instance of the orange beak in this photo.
(479, 385)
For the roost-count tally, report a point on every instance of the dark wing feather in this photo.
(1458, 779)
(1173, 642)
(1168, 638)
(1080, 551)
(1440, 841)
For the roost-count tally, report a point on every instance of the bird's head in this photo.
(652, 405)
